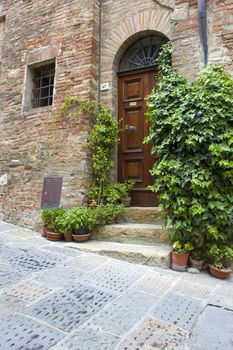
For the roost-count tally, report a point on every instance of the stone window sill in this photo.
(38, 110)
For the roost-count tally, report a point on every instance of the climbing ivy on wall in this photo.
(192, 133)
(102, 139)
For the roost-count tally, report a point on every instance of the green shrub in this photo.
(82, 217)
(50, 219)
(110, 212)
(112, 193)
(221, 255)
(192, 133)
(103, 137)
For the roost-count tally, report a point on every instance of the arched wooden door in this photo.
(134, 157)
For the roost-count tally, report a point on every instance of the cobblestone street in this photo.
(53, 297)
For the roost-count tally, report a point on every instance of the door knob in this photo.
(132, 128)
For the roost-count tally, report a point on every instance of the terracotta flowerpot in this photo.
(54, 236)
(44, 232)
(179, 261)
(68, 236)
(81, 235)
(197, 264)
(81, 231)
(220, 273)
(126, 201)
(81, 238)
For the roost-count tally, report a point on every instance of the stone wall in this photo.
(32, 146)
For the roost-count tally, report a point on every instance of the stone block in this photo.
(179, 310)
(152, 334)
(87, 339)
(214, 330)
(123, 313)
(20, 332)
(69, 308)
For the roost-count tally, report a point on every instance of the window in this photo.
(142, 54)
(43, 84)
(39, 85)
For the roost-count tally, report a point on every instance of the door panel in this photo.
(134, 157)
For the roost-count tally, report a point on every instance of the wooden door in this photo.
(134, 157)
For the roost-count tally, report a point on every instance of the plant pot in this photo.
(54, 236)
(68, 236)
(126, 201)
(81, 231)
(81, 238)
(197, 264)
(179, 261)
(220, 273)
(44, 232)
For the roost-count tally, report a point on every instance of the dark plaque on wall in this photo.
(51, 194)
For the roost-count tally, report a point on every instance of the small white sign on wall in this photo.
(104, 86)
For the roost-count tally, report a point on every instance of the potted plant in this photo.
(51, 228)
(180, 255)
(109, 213)
(222, 257)
(82, 221)
(126, 199)
(64, 225)
(196, 259)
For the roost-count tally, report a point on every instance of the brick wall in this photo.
(32, 146)
(220, 25)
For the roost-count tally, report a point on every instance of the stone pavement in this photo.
(53, 297)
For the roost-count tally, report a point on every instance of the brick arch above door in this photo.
(121, 35)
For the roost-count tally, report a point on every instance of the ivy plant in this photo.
(102, 140)
(192, 135)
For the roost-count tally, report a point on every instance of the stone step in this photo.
(142, 215)
(152, 255)
(131, 233)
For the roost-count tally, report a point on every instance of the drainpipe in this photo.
(202, 16)
(100, 46)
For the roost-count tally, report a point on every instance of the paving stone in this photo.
(8, 276)
(123, 313)
(222, 295)
(168, 272)
(25, 233)
(182, 311)
(7, 227)
(195, 290)
(115, 276)
(28, 291)
(202, 278)
(10, 305)
(61, 250)
(21, 333)
(87, 262)
(27, 244)
(32, 260)
(5, 237)
(87, 339)
(214, 330)
(152, 334)
(59, 276)
(155, 283)
(69, 308)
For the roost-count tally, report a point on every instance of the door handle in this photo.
(132, 128)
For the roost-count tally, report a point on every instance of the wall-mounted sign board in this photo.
(51, 194)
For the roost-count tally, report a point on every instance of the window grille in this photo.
(43, 86)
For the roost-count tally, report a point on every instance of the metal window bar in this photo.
(43, 80)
